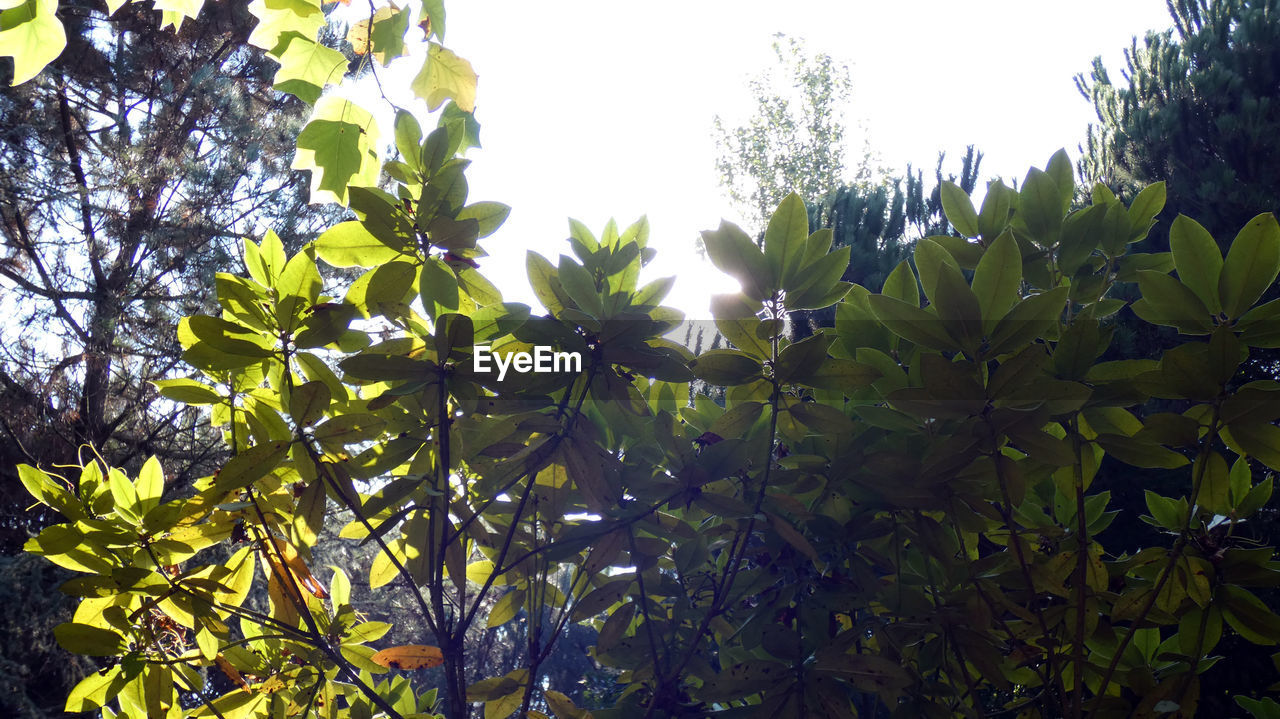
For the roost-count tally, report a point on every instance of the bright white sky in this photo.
(595, 109)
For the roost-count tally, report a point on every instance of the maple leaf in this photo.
(31, 34)
(278, 18)
(386, 38)
(446, 76)
(339, 147)
(306, 66)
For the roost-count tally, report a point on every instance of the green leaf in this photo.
(798, 360)
(997, 279)
(1101, 194)
(1166, 301)
(930, 257)
(737, 420)
(1251, 265)
(911, 323)
(652, 294)
(478, 287)
(300, 279)
(735, 318)
(149, 485)
(1256, 498)
(1027, 320)
(818, 280)
(580, 286)
(339, 147)
(349, 244)
(489, 216)
(994, 216)
(841, 375)
(1059, 168)
(89, 640)
(957, 306)
(433, 10)
(1168, 513)
(32, 35)
(901, 284)
(382, 35)
(1040, 207)
(725, 368)
(438, 286)
(959, 209)
(124, 494)
(250, 465)
(445, 76)
(785, 238)
(280, 17)
(1144, 209)
(1081, 232)
(43, 487)
(967, 254)
(1215, 485)
(188, 391)
(308, 402)
(230, 337)
(545, 281)
(1138, 453)
(409, 139)
(462, 127)
(95, 690)
(306, 67)
(1197, 259)
(506, 608)
(1264, 708)
(867, 672)
(349, 429)
(735, 254)
(327, 323)
(1260, 441)
(1185, 371)
(1248, 615)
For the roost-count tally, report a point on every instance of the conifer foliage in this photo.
(1196, 107)
(897, 515)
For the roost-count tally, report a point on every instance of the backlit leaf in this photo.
(445, 76)
(409, 657)
(339, 147)
(306, 67)
(32, 35)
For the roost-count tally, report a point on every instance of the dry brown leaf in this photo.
(301, 573)
(232, 673)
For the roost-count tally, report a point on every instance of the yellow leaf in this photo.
(409, 657)
(33, 36)
(564, 707)
(444, 76)
(506, 608)
(301, 573)
(503, 707)
(792, 536)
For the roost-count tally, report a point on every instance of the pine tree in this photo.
(880, 222)
(129, 174)
(1198, 106)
